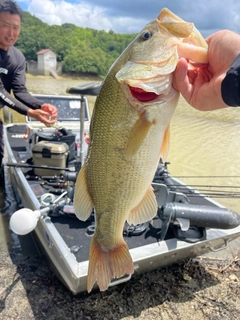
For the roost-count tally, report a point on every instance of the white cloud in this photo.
(60, 12)
(126, 16)
(84, 15)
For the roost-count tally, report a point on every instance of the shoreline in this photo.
(191, 289)
(64, 77)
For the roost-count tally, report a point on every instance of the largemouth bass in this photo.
(129, 133)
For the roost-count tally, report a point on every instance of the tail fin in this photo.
(106, 265)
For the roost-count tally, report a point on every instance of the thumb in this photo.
(180, 75)
(44, 113)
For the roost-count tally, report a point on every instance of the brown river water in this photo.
(204, 152)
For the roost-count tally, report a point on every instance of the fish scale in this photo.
(129, 132)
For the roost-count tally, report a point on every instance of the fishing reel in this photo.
(59, 184)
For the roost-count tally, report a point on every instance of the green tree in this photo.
(81, 50)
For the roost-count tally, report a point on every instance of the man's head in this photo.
(10, 22)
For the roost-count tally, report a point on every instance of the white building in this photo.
(47, 62)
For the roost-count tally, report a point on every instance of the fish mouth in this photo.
(142, 95)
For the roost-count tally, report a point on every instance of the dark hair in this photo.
(11, 7)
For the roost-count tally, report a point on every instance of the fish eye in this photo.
(146, 35)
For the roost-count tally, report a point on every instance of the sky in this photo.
(130, 16)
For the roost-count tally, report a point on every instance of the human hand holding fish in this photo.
(129, 133)
(202, 87)
(41, 115)
(52, 110)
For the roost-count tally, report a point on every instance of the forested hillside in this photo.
(81, 50)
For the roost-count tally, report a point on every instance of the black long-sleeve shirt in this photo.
(231, 84)
(12, 77)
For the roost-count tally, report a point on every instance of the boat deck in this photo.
(77, 234)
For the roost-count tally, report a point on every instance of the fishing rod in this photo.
(206, 186)
(201, 186)
(210, 192)
(25, 165)
(214, 193)
(205, 189)
(190, 189)
(211, 177)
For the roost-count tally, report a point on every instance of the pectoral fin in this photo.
(146, 210)
(82, 202)
(137, 135)
(165, 145)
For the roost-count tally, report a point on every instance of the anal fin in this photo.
(146, 210)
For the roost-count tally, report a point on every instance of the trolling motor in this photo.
(190, 221)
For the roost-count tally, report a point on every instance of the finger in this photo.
(54, 115)
(46, 118)
(45, 114)
(183, 79)
(47, 107)
(180, 74)
(48, 123)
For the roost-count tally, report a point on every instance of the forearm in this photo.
(27, 99)
(230, 87)
(18, 86)
(10, 101)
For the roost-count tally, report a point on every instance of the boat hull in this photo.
(66, 243)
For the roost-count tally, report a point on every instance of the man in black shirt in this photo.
(12, 72)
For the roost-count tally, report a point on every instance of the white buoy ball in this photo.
(24, 221)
